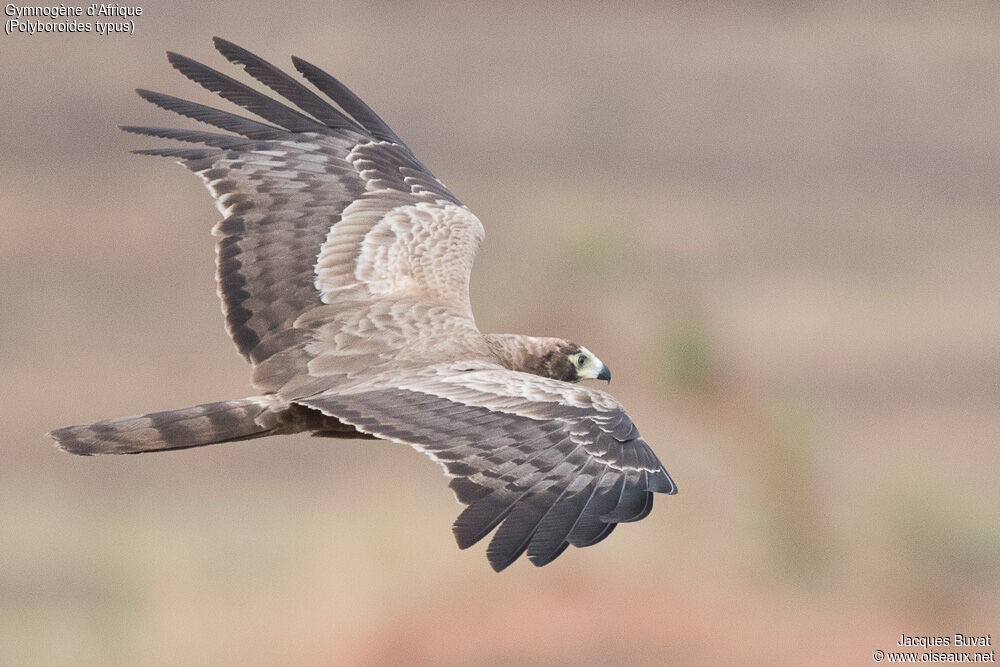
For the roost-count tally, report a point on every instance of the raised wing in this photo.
(323, 208)
(551, 464)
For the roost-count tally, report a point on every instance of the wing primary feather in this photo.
(221, 119)
(591, 525)
(661, 482)
(552, 536)
(604, 532)
(513, 537)
(284, 85)
(644, 512)
(229, 88)
(647, 502)
(555, 554)
(482, 516)
(181, 153)
(190, 136)
(347, 100)
(632, 501)
(466, 490)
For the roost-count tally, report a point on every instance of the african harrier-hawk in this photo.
(343, 268)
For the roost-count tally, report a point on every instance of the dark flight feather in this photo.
(212, 116)
(347, 100)
(243, 95)
(286, 86)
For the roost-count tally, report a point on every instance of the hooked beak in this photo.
(605, 374)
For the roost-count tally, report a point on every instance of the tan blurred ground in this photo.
(779, 227)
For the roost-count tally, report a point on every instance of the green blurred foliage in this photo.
(690, 360)
(951, 551)
(598, 255)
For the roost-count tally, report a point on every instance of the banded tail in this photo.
(205, 424)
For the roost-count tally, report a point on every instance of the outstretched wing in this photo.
(551, 464)
(325, 211)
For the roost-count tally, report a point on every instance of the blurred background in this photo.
(779, 227)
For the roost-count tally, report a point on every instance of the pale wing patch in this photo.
(499, 389)
(363, 339)
(424, 249)
(420, 247)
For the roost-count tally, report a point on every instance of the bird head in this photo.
(572, 363)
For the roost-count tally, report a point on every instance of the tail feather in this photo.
(205, 424)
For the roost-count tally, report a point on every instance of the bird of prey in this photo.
(343, 267)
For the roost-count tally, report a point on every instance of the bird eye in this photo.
(581, 360)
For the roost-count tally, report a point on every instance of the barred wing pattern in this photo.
(552, 464)
(343, 269)
(304, 189)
